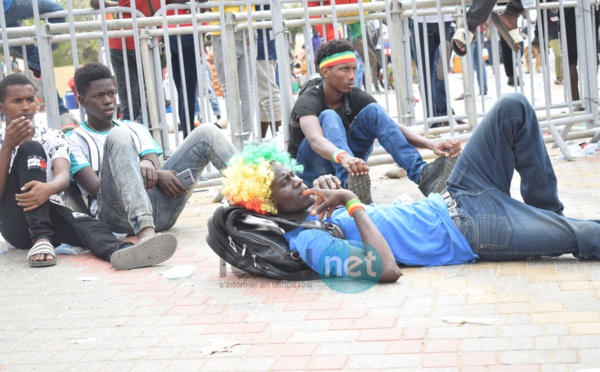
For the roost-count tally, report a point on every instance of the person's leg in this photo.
(189, 75)
(428, 31)
(374, 123)
(314, 164)
(508, 139)
(204, 144)
(19, 228)
(500, 228)
(212, 96)
(245, 57)
(479, 67)
(217, 43)
(360, 70)
(123, 203)
(558, 67)
(507, 57)
(439, 86)
(81, 230)
(265, 76)
(118, 64)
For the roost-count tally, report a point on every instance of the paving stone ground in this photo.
(81, 315)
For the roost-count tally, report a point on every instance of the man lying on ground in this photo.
(129, 190)
(34, 169)
(474, 219)
(334, 126)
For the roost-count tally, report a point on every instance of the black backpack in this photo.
(255, 244)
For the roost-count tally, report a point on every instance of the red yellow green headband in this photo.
(336, 59)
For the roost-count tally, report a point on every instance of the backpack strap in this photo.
(328, 227)
(93, 149)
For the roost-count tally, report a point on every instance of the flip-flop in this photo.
(42, 247)
(460, 35)
(148, 252)
(512, 37)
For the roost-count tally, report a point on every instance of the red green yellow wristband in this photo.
(354, 205)
(335, 157)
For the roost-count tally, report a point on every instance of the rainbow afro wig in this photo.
(249, 175)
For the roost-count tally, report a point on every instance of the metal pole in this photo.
(284, 69)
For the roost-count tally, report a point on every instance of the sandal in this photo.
(512, 37)
(41, 247)
(148, 252)
(459, 36)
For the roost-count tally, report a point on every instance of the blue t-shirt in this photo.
(7, 4)
(419, 234)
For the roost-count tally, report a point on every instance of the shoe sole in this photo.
(441, 175)
(361, 186)
(152, 251)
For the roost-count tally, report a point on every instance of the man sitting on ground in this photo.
(34, 169)
(131, 192)
(475, 219)
(334, 125)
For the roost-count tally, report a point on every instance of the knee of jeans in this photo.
(33, 148)
(118, 135)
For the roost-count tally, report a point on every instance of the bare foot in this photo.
(42, 257)
(148, 232)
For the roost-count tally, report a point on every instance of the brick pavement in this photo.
(81, 315)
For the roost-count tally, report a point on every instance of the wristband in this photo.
(153, 166)
(335, 157)
(354, 205)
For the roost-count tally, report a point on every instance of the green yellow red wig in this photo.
(249, 175)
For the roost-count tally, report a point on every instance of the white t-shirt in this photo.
(55, 145)
(80, 151)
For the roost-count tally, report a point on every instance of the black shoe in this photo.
(434, 176)
(361, 186)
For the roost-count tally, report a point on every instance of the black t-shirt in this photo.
(312, 102)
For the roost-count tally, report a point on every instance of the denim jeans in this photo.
(498, 227)
(438, 87)
(212, 96)
(360, 71)
(133, 113)
(371, 123)
(123, 202)
(479, 69)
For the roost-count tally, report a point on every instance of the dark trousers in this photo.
(51, 221)
(185, 73)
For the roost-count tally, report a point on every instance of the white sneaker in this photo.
(223, 122)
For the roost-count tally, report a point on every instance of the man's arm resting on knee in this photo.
(36, 193)
(325, 148)
(449, 147)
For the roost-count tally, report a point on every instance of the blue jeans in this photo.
(360, 71)
(498, 227)
(123, 203)
(370, 124)
(212, 96)
(438, 93)
(481, 72)
(23, 9)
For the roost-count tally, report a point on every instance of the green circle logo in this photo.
(350, 268)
